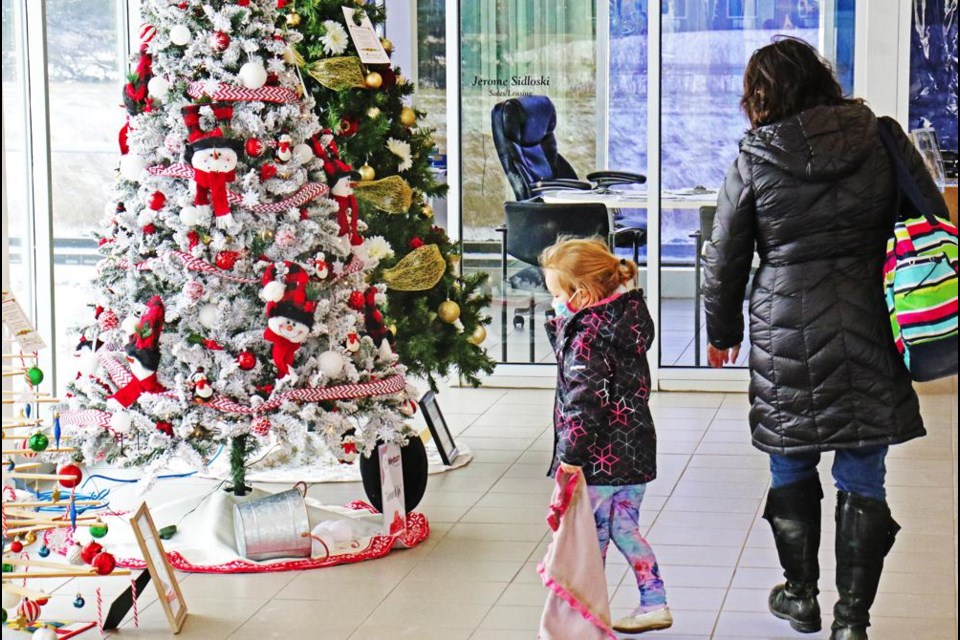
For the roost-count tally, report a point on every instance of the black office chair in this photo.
(531, 226)
(525, 142)
(701, 236)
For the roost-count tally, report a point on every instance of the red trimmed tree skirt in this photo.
(205, 542)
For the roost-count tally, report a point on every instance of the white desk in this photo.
(633, 199)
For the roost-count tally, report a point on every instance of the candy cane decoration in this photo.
(136, 612)
(99, 611)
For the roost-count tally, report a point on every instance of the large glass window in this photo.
(933, 69)
(85, 116)
(705, 48)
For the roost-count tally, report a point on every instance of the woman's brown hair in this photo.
(585, 265)
(787, 77)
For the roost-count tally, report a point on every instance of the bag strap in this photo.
(910, 200)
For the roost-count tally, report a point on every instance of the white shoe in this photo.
(639, 622)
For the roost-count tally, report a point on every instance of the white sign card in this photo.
(365, 39)
(391, 489)
(19, 325)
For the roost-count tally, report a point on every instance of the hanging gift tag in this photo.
(19, 325)
(365, 39)
(391, 487)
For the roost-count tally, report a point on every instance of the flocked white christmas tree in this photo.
(231, 307)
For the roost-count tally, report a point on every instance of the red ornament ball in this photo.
(91, 551)
(246, 360)
(165, 428)
(261, 426)
(254, 147)
(149, 229)
(268, 171)
(416, 243)
(371, 296)
(219, 41)
(104, 563)
(157, 200)
(226, 259)
(356, 301)
(70, 470)
(16, 546)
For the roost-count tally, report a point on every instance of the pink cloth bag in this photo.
(577, 605)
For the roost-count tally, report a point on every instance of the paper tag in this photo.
(391, 489)
(19, 325)
(365, 39)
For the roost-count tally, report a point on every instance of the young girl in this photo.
(603, 426)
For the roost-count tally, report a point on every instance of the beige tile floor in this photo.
(475, 576)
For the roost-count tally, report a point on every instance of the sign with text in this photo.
(365, 39)
(19, 325)
(391, 488)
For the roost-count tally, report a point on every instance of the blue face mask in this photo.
(561, 308)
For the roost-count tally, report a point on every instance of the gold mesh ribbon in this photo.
(337, 74)
(419, 270)
(392, 194)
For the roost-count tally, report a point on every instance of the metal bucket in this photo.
(273, 527)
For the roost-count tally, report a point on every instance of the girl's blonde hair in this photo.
(587, 265)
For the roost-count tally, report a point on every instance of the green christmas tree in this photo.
(436, 313)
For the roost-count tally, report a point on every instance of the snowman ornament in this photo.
(213, 157)
(289, 312)
(202, 390)
(284, 148)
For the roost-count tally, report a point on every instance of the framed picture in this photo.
(928, 144)
(159, 568)
(438, 428)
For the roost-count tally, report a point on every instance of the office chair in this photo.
(530, 227)
(523, 134)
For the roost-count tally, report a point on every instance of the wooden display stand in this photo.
(950, 195)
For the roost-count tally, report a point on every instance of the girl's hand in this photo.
(569, 468)
(719, 357)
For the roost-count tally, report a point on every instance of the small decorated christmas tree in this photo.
(233, 301)
(370, 127)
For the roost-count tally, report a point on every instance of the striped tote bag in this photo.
(920, 280)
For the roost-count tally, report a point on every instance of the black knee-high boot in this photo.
(865, 534)
(793, 512)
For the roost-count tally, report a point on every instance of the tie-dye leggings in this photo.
(617, 511)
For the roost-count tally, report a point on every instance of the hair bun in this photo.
(627, 270)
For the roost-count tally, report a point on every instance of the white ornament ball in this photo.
(121, 422)
(180, 35)
(302, 153)
(273, 291)
(75, 554)
(44, 633)
(129, 325)
(131, 166)
(158, 87)
(88, 362)
(208, 316)
(190, 216)
(331, 364)
(253, 75)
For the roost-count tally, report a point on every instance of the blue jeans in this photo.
(859, 471)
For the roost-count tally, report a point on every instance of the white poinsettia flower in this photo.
(276, 65)
(401, 149)
(334, 39)
(378, 248)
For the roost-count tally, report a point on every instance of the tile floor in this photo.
(475, 576)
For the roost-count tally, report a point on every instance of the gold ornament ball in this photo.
(478, 336)
(29, 537)
(293, 19)
(387, 45)
(266, 235)
(373, 112)
(408, 117)
(449, 311)
(373, 80)
(393, 330)
(401, 79)
(206, 238)
(426, 211)
(367, 173)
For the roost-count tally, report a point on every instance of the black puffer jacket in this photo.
(815, 195)
(602, 417)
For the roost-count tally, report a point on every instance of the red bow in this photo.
(131, 391)
(212, 185)
(283, 351)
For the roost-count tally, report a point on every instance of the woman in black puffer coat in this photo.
(813, 192)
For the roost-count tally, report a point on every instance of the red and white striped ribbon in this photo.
(223, 91)
(117, 372)
(387, 386)
(196, 264)
(306, 193)
(85, 418)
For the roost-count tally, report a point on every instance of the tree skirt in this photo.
(205, 541)
(275, 466)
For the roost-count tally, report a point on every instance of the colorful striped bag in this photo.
(920, 280)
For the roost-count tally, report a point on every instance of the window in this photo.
(933, 69)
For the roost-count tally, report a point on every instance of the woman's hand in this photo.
(569, 468)
(719, 357)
